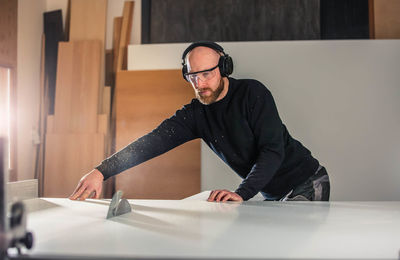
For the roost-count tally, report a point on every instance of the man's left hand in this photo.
(224, 195)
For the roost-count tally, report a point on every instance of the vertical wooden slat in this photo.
(126, 28)
(106, 111)
(371, 14)
(116, 40)
(43, 111)
(109, 68)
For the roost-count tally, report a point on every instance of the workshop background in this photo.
(79, 80)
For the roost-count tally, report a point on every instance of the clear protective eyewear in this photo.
(203, 75)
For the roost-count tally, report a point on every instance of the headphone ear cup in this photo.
(184, 71)
(228, 65)
(225, 65)
(221, 66)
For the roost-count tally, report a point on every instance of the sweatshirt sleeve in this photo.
(268, 130)
(172, 132)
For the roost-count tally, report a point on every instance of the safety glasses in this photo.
(203, 75)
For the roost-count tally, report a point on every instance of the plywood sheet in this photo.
(143, 100)
(78, 81)
(387, 19)
(88, 22)
(68, 158)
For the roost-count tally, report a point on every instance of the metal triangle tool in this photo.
(118, 206)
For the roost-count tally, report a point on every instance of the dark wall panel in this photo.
(344, 19)
(229, 20)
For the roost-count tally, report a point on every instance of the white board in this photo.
(201, 229)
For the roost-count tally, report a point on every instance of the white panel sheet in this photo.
(196, 228)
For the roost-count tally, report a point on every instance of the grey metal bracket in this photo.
(118, 206)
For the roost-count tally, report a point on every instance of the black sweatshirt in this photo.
(243, 129)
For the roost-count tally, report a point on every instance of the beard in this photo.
(206, 100)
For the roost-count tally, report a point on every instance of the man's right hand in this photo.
(89, 186)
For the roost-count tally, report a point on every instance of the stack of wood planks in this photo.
(91, 121)
(76, 133)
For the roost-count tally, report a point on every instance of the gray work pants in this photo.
(315, 188)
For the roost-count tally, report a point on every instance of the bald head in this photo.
(202, 58)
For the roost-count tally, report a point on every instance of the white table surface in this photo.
(195, 228)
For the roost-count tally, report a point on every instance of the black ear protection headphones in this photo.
(225, 63)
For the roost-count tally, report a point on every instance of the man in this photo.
(239, 121)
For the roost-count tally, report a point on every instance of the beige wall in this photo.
(30, 28)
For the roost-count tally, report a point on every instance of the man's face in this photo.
(208, 83)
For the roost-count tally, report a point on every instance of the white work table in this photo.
(195, 228)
